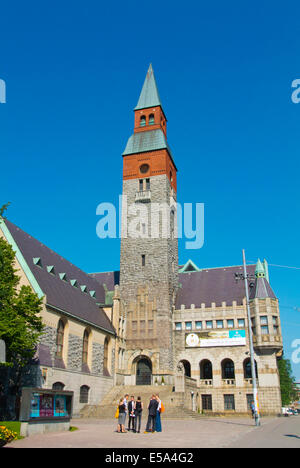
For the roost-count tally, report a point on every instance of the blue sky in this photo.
(74, 71)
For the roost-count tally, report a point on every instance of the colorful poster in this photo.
(35, 405)
(60, 406)
(214, 338)
(46, 405)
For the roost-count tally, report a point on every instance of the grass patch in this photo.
(73, 428)
(14, 426)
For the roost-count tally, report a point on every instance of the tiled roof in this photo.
(60, 293)
(214, 285)
(207, 285)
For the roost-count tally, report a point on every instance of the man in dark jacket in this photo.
(131, 408)
(152, 409)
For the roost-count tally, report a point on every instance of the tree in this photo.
(20, 323)
(287, 382)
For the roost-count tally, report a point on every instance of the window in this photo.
(228, 369)
(229, 402)
(206, 402)
(84, 394)
(151, 119)
(264, 324)
(206, 370)
(198, 325)
(241, 323)
(144, 168)
(188, 325)
(178, 326)
(141, 185)
(219, 323)
(85, 346)
(142, 121)
(60, 339)
(134, 325)
(248, 370)
(58, 386)
(105, 358)
(147, 184)
(209, 324)
(143, 260)
(275, 325)
(230, 323)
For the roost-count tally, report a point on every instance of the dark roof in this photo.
(107, 278)
(59, 293)
(214, 285)
(262, 289)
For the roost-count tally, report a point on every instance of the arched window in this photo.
(60, 339)
(206, 370)
(105, 358)
(84, 394)
(187, 367)
(142, 121)
(151, 119)
(228, 369)
(85, 346)
(247, 369)
(58, 386)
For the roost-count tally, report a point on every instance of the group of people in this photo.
(133, 409)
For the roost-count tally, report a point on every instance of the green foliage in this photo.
(287, 382)
(13, 426)
(20, 324)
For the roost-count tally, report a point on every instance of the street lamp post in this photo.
(246, 277)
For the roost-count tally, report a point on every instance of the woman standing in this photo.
(122, 416)
(138, 414)
(158, 420)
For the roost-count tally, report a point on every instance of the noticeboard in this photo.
(43, 404)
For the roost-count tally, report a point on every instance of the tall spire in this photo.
(149, 96)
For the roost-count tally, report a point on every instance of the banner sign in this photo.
(212, 338)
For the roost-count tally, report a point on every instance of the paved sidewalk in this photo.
(206, 432)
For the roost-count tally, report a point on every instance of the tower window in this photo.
(144, 168)
(147, 184)
(143, 121)
(143, 260)
(151, 119)
(141, 185)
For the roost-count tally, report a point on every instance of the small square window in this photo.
(198, 325)
(263, 320)
(178, 326)
(241, 323)
(230, 323)
(264, 330)
(219, 323)
(143, 260)
(188, 325)
(209, 324)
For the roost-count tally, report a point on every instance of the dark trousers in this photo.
(150, 423)
(138, 419)
(131, 422)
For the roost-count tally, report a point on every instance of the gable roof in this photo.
(60, 290)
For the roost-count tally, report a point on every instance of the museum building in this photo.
(153, 322)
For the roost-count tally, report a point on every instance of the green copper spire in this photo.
(149, 96)
(259, 271)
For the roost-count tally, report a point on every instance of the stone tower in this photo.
(149, 246)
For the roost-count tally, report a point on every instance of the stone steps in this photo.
(108, 412)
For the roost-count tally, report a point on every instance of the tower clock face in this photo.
(144, 168)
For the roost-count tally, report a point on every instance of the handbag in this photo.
(117, 413)
(162, 408)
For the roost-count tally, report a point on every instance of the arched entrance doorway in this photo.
(143, 371)
(187, 367)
